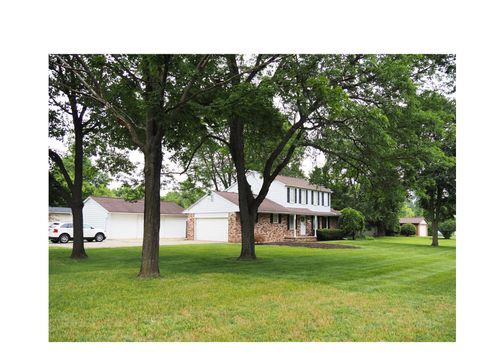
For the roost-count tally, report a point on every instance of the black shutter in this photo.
(323, 199)
(295, 196)
(288, 195)
(279, 218)
(271, 218)
(288, 222)
(318, 197)
(299, 196)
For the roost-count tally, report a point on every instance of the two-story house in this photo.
(293, 208)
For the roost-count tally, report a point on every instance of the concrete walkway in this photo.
(112, 243)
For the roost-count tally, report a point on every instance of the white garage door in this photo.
(173, 227)
(125, 226)
(212, 229)
(423, 229)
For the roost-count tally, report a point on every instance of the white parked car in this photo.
(63, 233)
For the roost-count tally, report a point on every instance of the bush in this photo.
(352, 221)
(330, 234)
(408, 229)
(447, 228)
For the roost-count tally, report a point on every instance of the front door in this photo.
(303, 226)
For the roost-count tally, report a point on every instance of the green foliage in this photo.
(330, 234)
(130, 192)
(185, 195)
(406, 211)
(408, 229)
(95, 181)
(447, 228)
(352, 221)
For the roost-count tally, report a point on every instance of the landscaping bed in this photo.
(316, 245)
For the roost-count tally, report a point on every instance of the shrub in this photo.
(447, 228)
(352, 221)
(330, 234)
(408, 229)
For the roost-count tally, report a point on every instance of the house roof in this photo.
(269, 206)
(59, 210)
(412, 220)
(136, 207)
(300, 183)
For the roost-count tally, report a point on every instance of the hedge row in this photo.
(330, 234)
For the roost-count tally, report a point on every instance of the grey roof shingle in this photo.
(135, 207)
(300, 183)
(412, 220)
(269, 206)
(59, 210)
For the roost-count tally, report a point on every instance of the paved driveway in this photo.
(111, 243)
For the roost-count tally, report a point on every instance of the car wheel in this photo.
(99, 237)
(64, 238)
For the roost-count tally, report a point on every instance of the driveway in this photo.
(112, 243)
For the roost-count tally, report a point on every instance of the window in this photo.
(291, 198)
(303, 196)
(291, 225)
(295, 195)
(318, 197)
(67, 226)
(275, 219)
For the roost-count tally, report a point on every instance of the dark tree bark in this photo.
(151, 224)
(74, 193)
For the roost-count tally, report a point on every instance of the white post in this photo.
(294, 225)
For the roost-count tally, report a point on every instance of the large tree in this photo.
(68, 115)
(436, 182)
(149, 97)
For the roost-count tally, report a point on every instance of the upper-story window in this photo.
(303, 196)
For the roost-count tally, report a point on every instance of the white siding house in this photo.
(122, 219)
(215, 216)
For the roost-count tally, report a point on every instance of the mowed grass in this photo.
(390, 289)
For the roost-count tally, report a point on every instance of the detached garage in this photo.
(419, 222)
(123, 219)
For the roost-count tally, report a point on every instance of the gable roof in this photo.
(300, 183)
(269, 206)
(59, 210)
(135, 207)
(412, 220)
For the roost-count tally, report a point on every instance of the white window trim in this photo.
(275, 221)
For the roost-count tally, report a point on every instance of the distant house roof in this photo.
(412, 220)
(269, 206)
(300, 183)
(136, 207)
(59, 210)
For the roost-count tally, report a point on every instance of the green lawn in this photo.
(391, 289)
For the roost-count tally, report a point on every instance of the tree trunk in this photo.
(248, 218)
(435, 230)
(151, 220)
(353, 235)
(381, 229)
(78, 251)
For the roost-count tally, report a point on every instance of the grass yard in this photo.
(390, 289)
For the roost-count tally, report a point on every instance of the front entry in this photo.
(303, 226)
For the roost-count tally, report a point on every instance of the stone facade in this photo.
(190, 227)
(265, 230)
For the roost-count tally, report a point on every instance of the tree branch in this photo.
(59, 162)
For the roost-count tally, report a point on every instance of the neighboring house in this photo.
(59, 214)
(123, 219)
(419, 222)
(292, 208)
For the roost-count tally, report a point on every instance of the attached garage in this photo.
(211, 229)
(123, 219)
